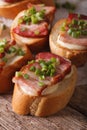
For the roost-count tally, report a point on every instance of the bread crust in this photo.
(44, 105)
(8, 72)
(10, 11)
(78, 57)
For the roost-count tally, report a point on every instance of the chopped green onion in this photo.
(32, 68)
(30, 62)
(53, 60)
(74, 22)
(37, 32)
(1, 49)
(3, 42)
(12, 49)
(42, 77)
(26, 76)
(41, 84)
(31, 11)
(38, 72)
(20, 20)
(18, 74)
(20, 52)
(76, 34)
(34, 19)
(4, 59)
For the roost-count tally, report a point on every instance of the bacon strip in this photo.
(48, 9)
(34, 30)
(77, 41)
(33, 82)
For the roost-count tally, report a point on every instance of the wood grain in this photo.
(67, 118)
(79, 99)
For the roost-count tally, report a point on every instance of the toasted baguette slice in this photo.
(8, 71)
(11, 10)
(23, 103)
(78, 57)
(36, 44)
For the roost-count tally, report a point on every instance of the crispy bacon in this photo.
(48, 9)
(76, 16)
(34, 30)
(32, 84)
(77, 41)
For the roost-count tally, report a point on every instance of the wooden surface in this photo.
(73, 117)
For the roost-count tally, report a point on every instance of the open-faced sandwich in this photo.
(32, 26)
(12, 58)
(68, 38)
(44, 86)
(10, 8)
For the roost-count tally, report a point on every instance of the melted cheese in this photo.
(70, 46)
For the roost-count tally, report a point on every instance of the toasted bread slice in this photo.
(78, 57)
(14, 64)
(23, 103)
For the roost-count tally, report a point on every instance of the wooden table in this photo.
(73, 117)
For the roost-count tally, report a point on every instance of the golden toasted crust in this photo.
(10, 11)
(8, 71)
(78, 57)
(23, 103)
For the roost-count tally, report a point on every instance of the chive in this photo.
(20, 52)
(40, 84)
(12, 49)
(32, 61)
(52, 72)
(37, 32)
(44, 68)
(53, 59)
(4, 59)
(3, 42)
(84, 32)
(32, 68)
(34, 19)
(20, 20)
(38, 72)
(69, 31)
(81, 22)
(31, 11)
(26, 76)
(1, 49)
(63, 28)
(76, 34)
(74, 22)
(42, 77)
(26, 19)
(18, 74)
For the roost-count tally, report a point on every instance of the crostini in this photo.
(12, 58)
(10, 8)
(68, 38)
(32, 26)
(44, 86)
